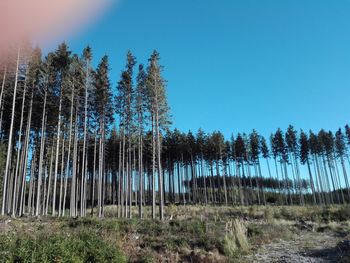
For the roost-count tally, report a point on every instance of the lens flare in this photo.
(44, 19)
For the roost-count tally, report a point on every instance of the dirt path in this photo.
(307, 247)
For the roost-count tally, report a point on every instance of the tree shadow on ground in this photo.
(339, 253)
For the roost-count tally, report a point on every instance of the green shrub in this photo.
(254, 230)
(342, 214)
(171, 210)
(85, 246)
(252, 211)
(265, 233)
(286, 213)
(335, 213)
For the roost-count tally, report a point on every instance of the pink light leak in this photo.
(44, 19)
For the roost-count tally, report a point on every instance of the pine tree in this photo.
(292, 148)
(304, 159)
(316, 150)
(340, 149)
(255, 155)
(281, 150)
(240, 155)
(326, 140)
(158, 108)
(201, 138)
(266, 155)
(9, 147)
(87, 58)
(103, 105)
(140, 104)
(61, 63)
(125, 102)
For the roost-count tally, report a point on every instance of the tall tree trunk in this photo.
(69, 153)
(31, 184)
(100, 177)
(262, 185)
(9, 147)
(1, 98)
(93, 177)
(129, 166)
(224, 178)
(49, 181)
(327, 180)
(57, 154)
(320, 181)
(311, 182)
(19, 149)
(61, 178)
(84, 142)
(153, 171)
(140, 159)
(3, 86)
(204, 180)
(42, 148)
(120, 178)
(73, 196)
(123, 181)
(345, 176)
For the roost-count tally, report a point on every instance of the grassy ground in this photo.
(189, 234)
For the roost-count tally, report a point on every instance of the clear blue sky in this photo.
(237, 65)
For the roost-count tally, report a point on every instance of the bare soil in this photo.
(308, 246)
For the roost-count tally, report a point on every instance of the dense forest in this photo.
(72, 144)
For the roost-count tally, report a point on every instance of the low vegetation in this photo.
(190, 234)
(39, 242)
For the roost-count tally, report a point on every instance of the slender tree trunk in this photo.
(73, 196)
(123, 181)
(321, 185)
(120, 183)
(140, 159)
(31, 184)
(241, 195)
(204, 180)
(44, 186)
(224, 178)
(42, 148)
(333, 180)
(3, 87)
(1, 99)
(153, 171)
(345, 176)
(57, 154)
(69, 153)
(61, 179)
(335, 167)
(327, 180)
(261, 178)
(49, 183)
(101, 171)
(84, 143)
(129, 172)
(19, 149)
(9, 147)
(94, 177)
(311, 182)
